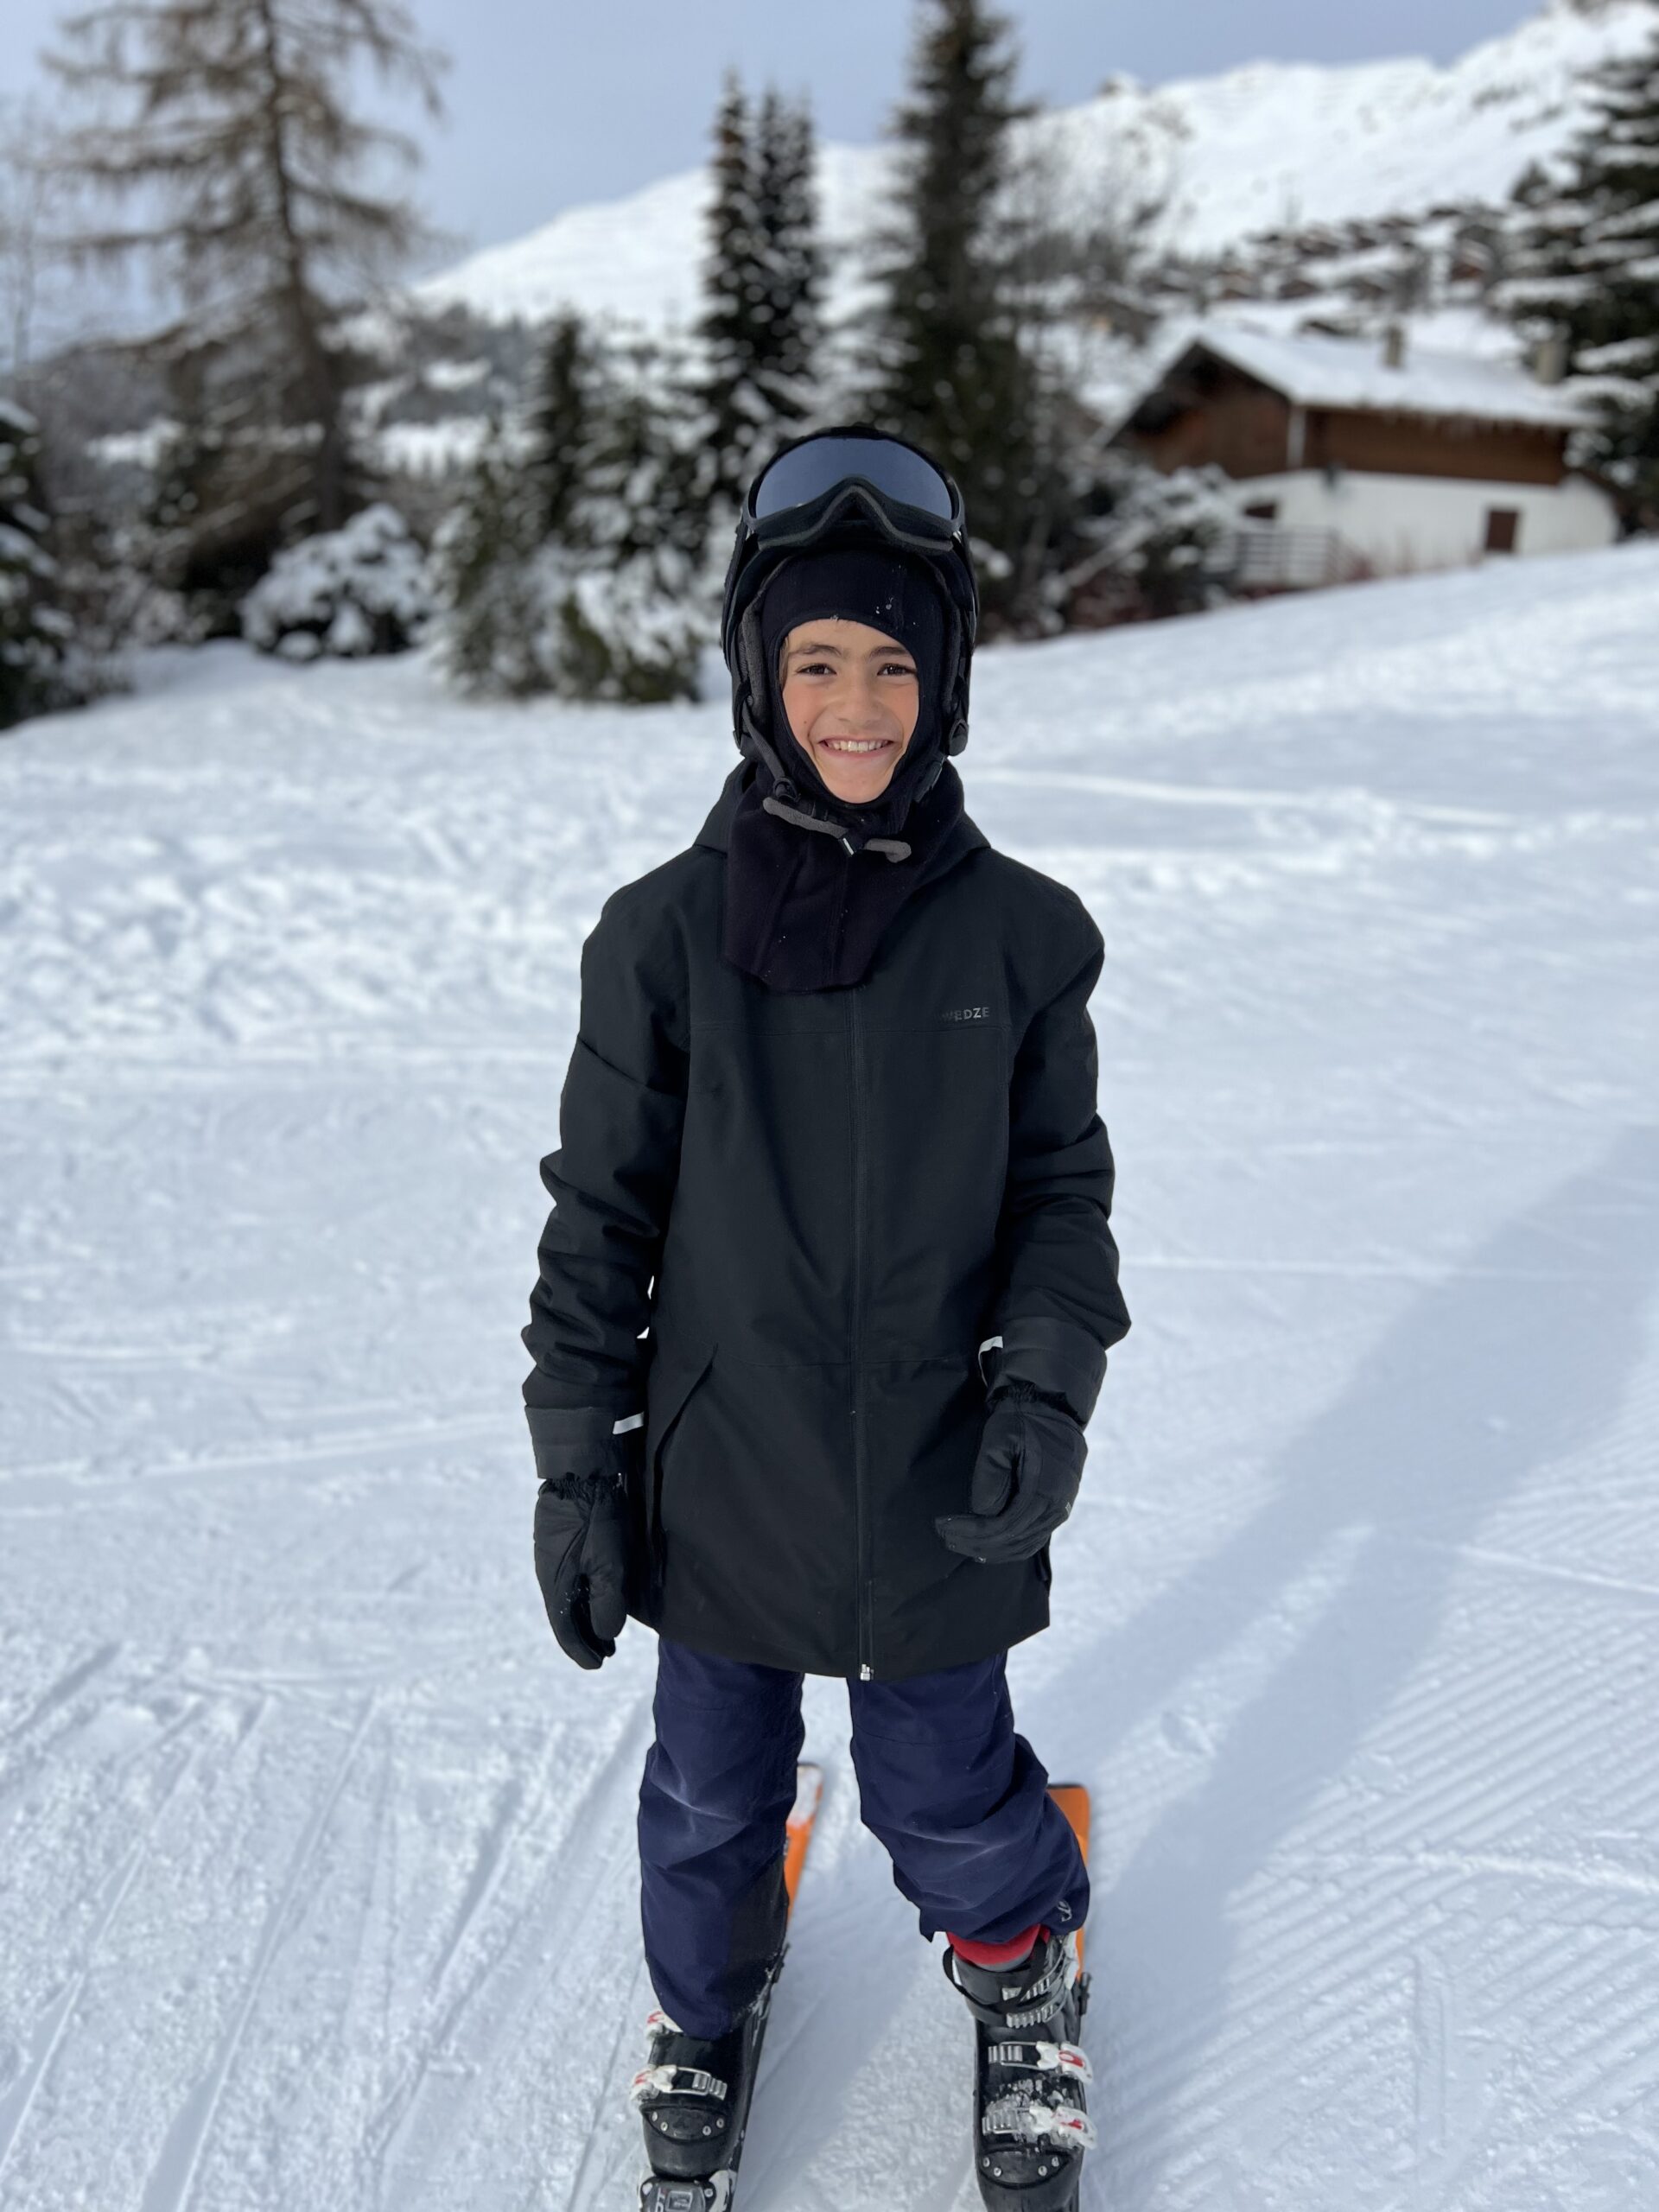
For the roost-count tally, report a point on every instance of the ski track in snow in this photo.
(316, 1860)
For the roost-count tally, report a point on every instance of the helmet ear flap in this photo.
(749, 651)
(750, 721)
(955, 735)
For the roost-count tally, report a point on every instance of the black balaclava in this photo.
(812, 880)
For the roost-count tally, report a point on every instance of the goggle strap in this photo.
(857, 489)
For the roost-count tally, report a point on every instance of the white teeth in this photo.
(855, 744)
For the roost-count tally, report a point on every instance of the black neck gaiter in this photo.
(811, 889)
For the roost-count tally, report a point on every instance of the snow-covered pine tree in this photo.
(631, 618)
(1157, 544)
(365, 588)
(762, 278)
(231, 137)
(735, 299)
(484, 553)
(789, 321)
(1582, 267)
(566, 427)
(35, 632)
(946, 363)
(569, 563)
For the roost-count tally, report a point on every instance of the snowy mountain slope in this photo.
(311, 1846)
(1275, 144)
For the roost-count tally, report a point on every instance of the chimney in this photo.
(1394, 346)
(1549, 358)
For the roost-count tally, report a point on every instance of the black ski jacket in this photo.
(792, 1227)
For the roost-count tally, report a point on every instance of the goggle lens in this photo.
(808, 470)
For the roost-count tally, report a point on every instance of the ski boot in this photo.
(693, 2096)
(1031, 2127)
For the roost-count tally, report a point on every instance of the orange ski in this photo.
(808, 1788)
(1072, 1798)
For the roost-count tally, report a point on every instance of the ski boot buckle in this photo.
(1038, 2125)
(676, 2082)
(1064, 2059)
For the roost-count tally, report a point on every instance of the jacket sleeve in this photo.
(1058, 1308)
(612, 1182)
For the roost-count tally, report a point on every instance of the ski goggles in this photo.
(804, 474)
(852, 473)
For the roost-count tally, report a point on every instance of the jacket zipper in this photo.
(865, 1639)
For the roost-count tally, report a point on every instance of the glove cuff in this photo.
(585, 1489)
(1028, 1393)
(1057, 1358)
(569, 1440)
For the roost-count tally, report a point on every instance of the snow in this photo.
(145, 449)
(1312, 370)
(430, 449)
(316, 1879)
(638, 260)
(350, 591)
(1273, 144)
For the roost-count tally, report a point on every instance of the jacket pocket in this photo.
(668, 1390)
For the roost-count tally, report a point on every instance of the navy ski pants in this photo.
(958, 1800)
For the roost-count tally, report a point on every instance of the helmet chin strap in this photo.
(751, 740)
(896, 849)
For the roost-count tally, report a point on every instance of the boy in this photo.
(830, 1133)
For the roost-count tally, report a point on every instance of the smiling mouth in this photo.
(855, 744)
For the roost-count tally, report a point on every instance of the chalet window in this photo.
(1262, 509)
(1503, 528)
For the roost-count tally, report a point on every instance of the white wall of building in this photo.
(1404, 523)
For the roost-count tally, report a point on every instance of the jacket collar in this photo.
(965, 836)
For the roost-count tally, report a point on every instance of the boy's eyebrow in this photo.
(824, 646)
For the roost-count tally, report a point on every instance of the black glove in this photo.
(1024, 1480)
(582, 1552)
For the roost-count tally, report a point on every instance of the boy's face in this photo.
(852, 695)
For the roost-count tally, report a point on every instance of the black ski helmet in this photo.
(828, 488)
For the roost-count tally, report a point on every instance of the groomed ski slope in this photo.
(315, 1857)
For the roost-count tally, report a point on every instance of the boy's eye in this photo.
(828, 668)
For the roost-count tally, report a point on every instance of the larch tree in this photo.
(28, 187)
(228, 135)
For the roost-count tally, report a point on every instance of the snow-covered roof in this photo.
(1312, 370)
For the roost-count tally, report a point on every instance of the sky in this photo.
(551, 105)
